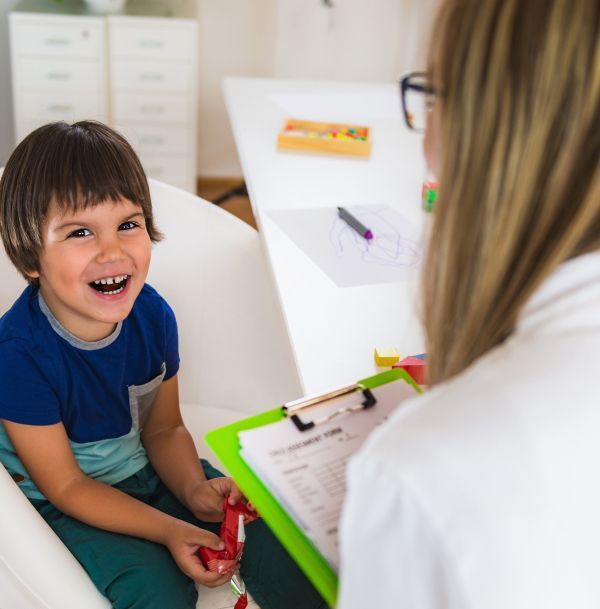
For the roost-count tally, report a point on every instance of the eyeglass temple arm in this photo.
(417, 87)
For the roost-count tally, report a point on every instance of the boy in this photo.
(90, 423)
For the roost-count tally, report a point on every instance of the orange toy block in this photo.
(415, 366)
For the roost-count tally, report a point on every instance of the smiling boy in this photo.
(95, 262)
(89, 412)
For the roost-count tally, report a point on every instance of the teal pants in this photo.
(139, 574)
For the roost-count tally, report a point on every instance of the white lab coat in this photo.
(485, 492)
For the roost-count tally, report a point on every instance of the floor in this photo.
(239, 205)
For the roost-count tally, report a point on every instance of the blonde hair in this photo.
(519, 179)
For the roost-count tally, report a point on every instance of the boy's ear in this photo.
(33, 274)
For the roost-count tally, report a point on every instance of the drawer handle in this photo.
(152, 109)
(152, 44)
(148, 139)
(152, 77)
(60, 108)
(57, 42)
(58, 76)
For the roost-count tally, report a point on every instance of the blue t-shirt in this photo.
(101, 391)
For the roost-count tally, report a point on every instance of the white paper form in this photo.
(306, 471)
(394, 253)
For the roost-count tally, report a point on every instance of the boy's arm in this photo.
(47, 456)
(173, 455)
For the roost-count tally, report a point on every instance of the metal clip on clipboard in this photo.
(291, 409)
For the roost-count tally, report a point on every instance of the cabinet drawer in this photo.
(57, 37)
(152, 41)
(152, 140)
(57, 106)
(146, 76)
(170, 170)
(63, 74)
(151, 107)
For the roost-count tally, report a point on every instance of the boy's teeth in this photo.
(110, 280)
(115, 291)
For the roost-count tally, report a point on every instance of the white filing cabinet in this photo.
(136, 71)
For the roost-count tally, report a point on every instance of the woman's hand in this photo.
(205, 499)
(184, 540)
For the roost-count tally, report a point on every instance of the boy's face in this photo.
(93, 264)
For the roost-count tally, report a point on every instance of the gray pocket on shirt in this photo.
(141, 398)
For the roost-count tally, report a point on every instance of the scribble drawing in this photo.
(388, 246)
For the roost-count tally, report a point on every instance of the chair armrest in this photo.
(34, 564)
(200, 419)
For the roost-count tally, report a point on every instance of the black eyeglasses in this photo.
(417, 97)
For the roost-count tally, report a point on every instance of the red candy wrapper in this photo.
(234, 535)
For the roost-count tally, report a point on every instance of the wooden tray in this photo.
(335, 138)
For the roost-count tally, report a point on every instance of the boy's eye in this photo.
(80, 232)
(128, 225)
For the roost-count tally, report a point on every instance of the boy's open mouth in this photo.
(110, 285)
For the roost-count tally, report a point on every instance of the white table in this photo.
(333, 330)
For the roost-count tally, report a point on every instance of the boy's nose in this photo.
(110, 250)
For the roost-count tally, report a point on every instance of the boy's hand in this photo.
(205, 500)
(183, 541)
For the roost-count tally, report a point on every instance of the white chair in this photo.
(235, 360)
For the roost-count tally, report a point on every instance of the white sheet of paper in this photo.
(306, 471)
(394, 253)
(361, 109)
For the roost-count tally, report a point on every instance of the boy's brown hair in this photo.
(77, 166)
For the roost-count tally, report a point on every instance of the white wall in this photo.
(236, 39)
(362, 40)
(6, 122)
(374, 40)
(365, 40)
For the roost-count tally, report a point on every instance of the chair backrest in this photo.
(235, 352)
(235, 355)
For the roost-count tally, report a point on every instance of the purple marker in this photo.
(358, 226)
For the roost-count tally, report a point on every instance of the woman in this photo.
(484, 492)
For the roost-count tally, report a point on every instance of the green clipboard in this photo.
(225, 444)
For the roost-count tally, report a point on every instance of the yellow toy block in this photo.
(386, 357)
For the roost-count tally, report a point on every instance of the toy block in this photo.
(428, 195)
(422, 356)
(414, 366)
(386, 357)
